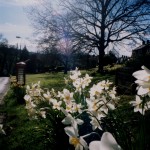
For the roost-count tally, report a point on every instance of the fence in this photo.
(124, 81)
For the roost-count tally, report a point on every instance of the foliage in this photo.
(18, 90)
(8, 58)
(112, 68)
(109, 59)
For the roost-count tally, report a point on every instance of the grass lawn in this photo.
(56, 80)
(48, 80)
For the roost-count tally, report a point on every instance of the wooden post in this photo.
(21, 73)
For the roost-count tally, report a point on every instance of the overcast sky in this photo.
(14, 22)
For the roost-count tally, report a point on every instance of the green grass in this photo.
(48, 80)
(56, 80)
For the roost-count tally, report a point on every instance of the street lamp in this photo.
(18, 37)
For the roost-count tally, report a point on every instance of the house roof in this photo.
(142, 46)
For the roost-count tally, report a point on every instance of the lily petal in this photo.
(109, 142)
(79, 121)
(83, 143)
(95, 145)
(142, 91)
(71, 132)
(66, 120)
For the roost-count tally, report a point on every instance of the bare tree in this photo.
(101, 23)
(53, 31)
(66, 50)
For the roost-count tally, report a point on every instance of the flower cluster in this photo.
(32, 98)
(142, 102)
(102, 98)
(14, 83)
(79, 97)
(18, 90)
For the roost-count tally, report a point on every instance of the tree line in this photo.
(45, 61)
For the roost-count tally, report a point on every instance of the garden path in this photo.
(4, 86)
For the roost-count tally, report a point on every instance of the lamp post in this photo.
(19, 49)
(18, 37)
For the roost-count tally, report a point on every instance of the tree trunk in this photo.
(66, 66)
(65, 70)
(101, 46)
(100, 59)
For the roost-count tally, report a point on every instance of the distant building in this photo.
(141, 50)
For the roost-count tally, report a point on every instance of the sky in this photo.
(14, 22)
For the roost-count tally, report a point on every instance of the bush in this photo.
(18, 91)
(112, 68)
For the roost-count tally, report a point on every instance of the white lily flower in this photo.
(142, 74)
(138, 105)
(69, 107)
(29, 102)
(27, 89)
(75, 74)
(87, 79)
(78, 84)
(47, 95)
(69, 120)
(107, 142)
(96, 90)
(77, 108)
(67, 96)
(74, 77)
(56, 104)
(104, 84)
(78, 142)
(92, 105)
(32, 113)
(143, 88)
(95, 123)
(143, 80)
(59, 94)
(43, 113)
(66, 81)
(27, 97)
(112, 93)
